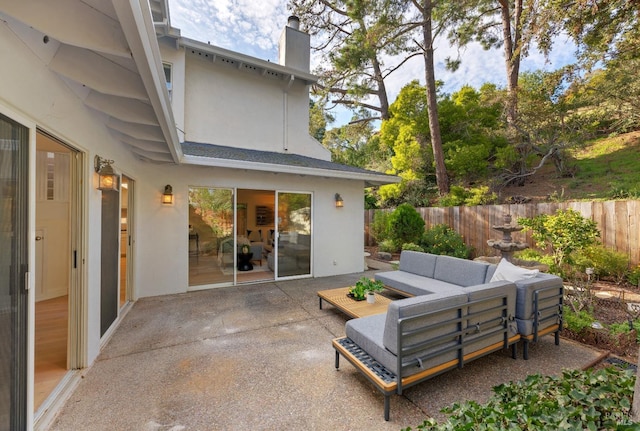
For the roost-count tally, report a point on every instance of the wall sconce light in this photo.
(339, 201)
(167, 196)
(107, 177)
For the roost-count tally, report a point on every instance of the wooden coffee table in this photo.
(349, 306)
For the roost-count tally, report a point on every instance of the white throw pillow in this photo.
(506, 271)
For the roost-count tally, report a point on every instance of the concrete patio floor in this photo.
(259, 357)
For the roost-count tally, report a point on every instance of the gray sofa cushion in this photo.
(367, 333)
(491, 269)
(460, 271)
(417, 263)
(414, 284)
(422, 304)
(524, 304)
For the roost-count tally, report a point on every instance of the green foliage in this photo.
(379, 227)
(534, 255)
(577, 400)
(577, 321)
(468, 162)
(363, 286)
(633, 276)
(604, 261)
(412, 247)
(563, 233)
(441, 239)
(624, 328)
(459, 196)
(387, 245)
(405, 225)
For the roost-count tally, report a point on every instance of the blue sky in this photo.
(253, 28)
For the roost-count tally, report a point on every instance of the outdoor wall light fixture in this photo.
(167, 196)
(339, 201)
(107, 177)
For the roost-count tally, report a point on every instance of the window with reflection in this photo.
(211, 248)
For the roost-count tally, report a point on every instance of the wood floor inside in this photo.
(50, 346)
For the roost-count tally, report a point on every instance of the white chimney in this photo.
(295, 46)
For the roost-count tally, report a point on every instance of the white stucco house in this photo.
(95, 86)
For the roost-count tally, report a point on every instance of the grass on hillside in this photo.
(607, 169)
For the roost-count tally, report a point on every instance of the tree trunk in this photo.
(512, 38)
(432, 103)
(381, 89)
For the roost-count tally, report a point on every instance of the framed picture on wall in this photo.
(264, 215)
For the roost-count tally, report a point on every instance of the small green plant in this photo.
(387, 246)
(405, 225)
(364, 285)
(563, 233)
(412, 247)
(577, 400)
(633, 276)
(625, 327)
(441, 239)
(577, 321)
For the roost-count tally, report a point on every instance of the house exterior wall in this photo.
(162, 262)
(161, 232)
(219, 104)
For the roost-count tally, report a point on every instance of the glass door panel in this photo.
(14, 141)
(211, 242)
(294, 234)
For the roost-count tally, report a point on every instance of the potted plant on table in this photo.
(363, 287)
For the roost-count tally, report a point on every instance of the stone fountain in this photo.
(507, 245)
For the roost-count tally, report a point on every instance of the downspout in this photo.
(285, 121)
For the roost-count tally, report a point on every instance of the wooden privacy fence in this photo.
(618, 222)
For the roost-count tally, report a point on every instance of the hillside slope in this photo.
(607, 168)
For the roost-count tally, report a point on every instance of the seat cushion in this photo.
(367, 333)
(413, 284)
(461, 272)
(526, 289)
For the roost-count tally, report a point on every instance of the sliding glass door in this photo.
(212, 251)
(294, 234)
(14, 141)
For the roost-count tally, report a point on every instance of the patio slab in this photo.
(260, 357)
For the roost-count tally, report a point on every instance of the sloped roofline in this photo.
(267, 161)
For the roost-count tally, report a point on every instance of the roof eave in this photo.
(139, 31)
(370, 179)
(218, 52)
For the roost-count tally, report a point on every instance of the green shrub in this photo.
(379, 227)
(563, 233)
(577, 321)
(577, 400)
(633, 276)
(534, 255)
(388, 246)
(605, 262)
(412, 247)
(623, 328)
(459, 196)
(405, 225)
(441, 239)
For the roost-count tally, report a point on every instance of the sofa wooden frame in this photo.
(465, 334)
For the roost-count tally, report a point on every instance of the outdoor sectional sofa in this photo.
(458, 310)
